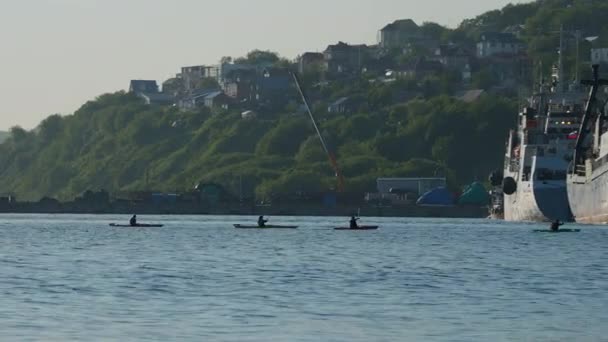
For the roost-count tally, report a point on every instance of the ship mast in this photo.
(592, 117)
(560, 68)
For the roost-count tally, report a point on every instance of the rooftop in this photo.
(402, 25)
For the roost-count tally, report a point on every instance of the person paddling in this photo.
(555, 225)
(353, 222)
(262, 222)
(133, 221)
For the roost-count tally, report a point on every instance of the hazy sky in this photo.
(57, 54)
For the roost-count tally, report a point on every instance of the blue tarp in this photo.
(437, 196)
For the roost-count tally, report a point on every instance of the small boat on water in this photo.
(358, 228)
(138, 225)
(557, 231)
(270, 226)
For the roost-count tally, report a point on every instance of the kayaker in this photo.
(262, 222)
(353, 222)
(555, 225)
(133, 221)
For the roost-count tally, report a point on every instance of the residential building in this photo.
(148, 91)
(341, 106)
(498, 44)
(143, 86)
(239, 84)
(217, 100)
(157, 99)
(271, 85)
(420, 68)
(452, 56)
(226, 70)
(191, 76)
(345, 58)
(516, 30)
(195, 100)
(212, 71)
(399, 33)
(310, 60)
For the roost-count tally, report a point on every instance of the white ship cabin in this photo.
(546, 141)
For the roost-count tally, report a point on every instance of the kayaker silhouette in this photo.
(555, 225)
(353, 222)
(262, 222)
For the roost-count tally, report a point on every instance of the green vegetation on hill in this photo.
(3, 136)
(119, 144)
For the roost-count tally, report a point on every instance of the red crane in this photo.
(330, 154)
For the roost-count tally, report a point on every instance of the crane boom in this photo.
(330, 154)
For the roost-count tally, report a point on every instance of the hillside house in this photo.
(399, 34)
(157, 99)
(454, 57)
(239, 84)
(271, 85)
(143, 86)
(148, 91)
(191, 76)
(420, 68)
(344, 58)
(498, 44)
(310, 60)
(227, 69)
(217, 99)
(211, 98)
(342, 105)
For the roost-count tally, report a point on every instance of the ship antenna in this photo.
(560, 70)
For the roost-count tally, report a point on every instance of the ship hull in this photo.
(589, 199)
(521, 206)
(538, 203)
(553, 203)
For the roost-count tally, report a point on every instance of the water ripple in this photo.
(70, 277)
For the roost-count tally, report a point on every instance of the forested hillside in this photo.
(3, 136)
(118, 143)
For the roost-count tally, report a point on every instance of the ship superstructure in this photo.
(537, 157)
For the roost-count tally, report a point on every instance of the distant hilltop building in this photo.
(148, 91)
(345, 58)
(192, 76)
(309, 60)
(399, 34)
(143, 87)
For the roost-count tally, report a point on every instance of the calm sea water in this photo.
(66, 277)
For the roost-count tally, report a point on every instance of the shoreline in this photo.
(237, 210)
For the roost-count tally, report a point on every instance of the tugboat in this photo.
(588, 174)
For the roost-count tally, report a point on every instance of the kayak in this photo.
(358, 228)
(135, 226)
(268, 226)
(557, 231)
